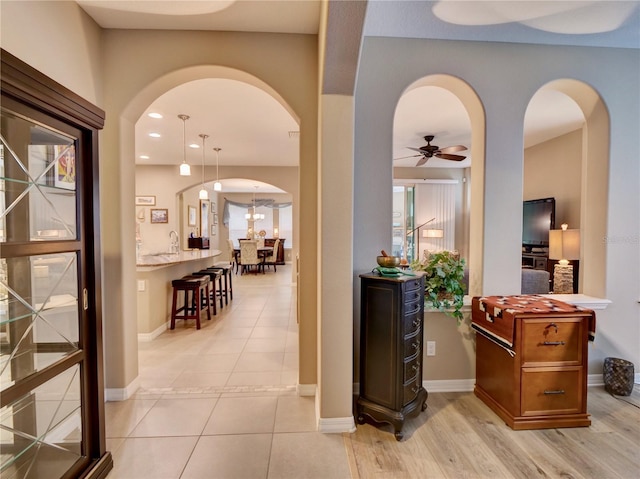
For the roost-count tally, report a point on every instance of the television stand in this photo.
(535, 261)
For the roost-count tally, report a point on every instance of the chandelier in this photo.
(203, 195)
(185, 169)
(255, 216)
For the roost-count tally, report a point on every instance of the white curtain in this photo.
(434, 200)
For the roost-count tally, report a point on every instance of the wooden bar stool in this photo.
(227, 270)
(198, 286)
(216, 289)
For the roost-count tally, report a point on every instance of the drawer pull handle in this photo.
(414, 389)
(552, 325)
(414, 367)
(416, 323)
(415, 345)
(555, 391)
(553, 343)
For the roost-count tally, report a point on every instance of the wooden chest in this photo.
(540, 380)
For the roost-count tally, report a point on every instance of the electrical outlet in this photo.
(431, 348)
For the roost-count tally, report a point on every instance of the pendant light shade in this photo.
(185, 169)
(217, 186)
(203, 192)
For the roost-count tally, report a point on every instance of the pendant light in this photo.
(217, 186)
(203, 192)
(185, 169)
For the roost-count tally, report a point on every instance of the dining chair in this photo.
(272, 260)
(260, 243)
(249, 256)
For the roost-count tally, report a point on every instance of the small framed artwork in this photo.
(65, 167)
(145, 200)
(213, 230)
(215, 218)
(193, 215)
(160, 215)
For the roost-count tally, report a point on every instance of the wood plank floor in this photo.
(458, 436)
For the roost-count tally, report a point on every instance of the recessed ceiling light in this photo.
(155, 115)
(155, 135)
(194, 146)
(144, 157)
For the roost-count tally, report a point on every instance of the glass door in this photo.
(403, 222)
(51, 403)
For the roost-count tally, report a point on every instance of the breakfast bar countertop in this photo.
(149, 262)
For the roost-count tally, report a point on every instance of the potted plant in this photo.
(444, 289)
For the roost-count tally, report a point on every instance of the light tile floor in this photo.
(221, 402)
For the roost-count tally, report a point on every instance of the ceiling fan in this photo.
(429, 151)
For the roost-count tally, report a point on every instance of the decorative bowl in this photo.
(388, 261)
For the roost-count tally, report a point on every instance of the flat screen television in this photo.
(538, 217)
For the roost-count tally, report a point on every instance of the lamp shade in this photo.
(564, 244)
(433, 233)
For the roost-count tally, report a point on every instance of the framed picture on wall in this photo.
(213, 230)
(192, 215)
(160, 215)
(145, 200)
(204, 218)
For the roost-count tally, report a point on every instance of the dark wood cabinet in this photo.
(391, 332)
(198, 243)
(52, 391)
(271, 242)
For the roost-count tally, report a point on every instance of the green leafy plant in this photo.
(444, 281)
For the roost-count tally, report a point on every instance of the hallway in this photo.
(221, 402)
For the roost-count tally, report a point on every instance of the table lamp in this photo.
(433, 233)
(564, 245)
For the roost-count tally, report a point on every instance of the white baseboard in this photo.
(147, 337)
(449, 385)
(336, 425)
(466, 385)
(122, 394)
(306, 389)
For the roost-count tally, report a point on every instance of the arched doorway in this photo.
(572, 164)
(165, 176)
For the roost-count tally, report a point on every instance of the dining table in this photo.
(263, 252)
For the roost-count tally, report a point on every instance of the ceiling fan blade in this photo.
(445, 156)
(414, 149)
(453, 149)
(405, 157)
(422, 161)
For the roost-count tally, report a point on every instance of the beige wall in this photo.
(554, 169)
(284, 62)
(57, 38)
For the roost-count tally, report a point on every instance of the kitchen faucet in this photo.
(175, 242)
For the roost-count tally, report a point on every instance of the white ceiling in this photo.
(253, 129)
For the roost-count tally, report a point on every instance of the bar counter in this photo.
(154, 274)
